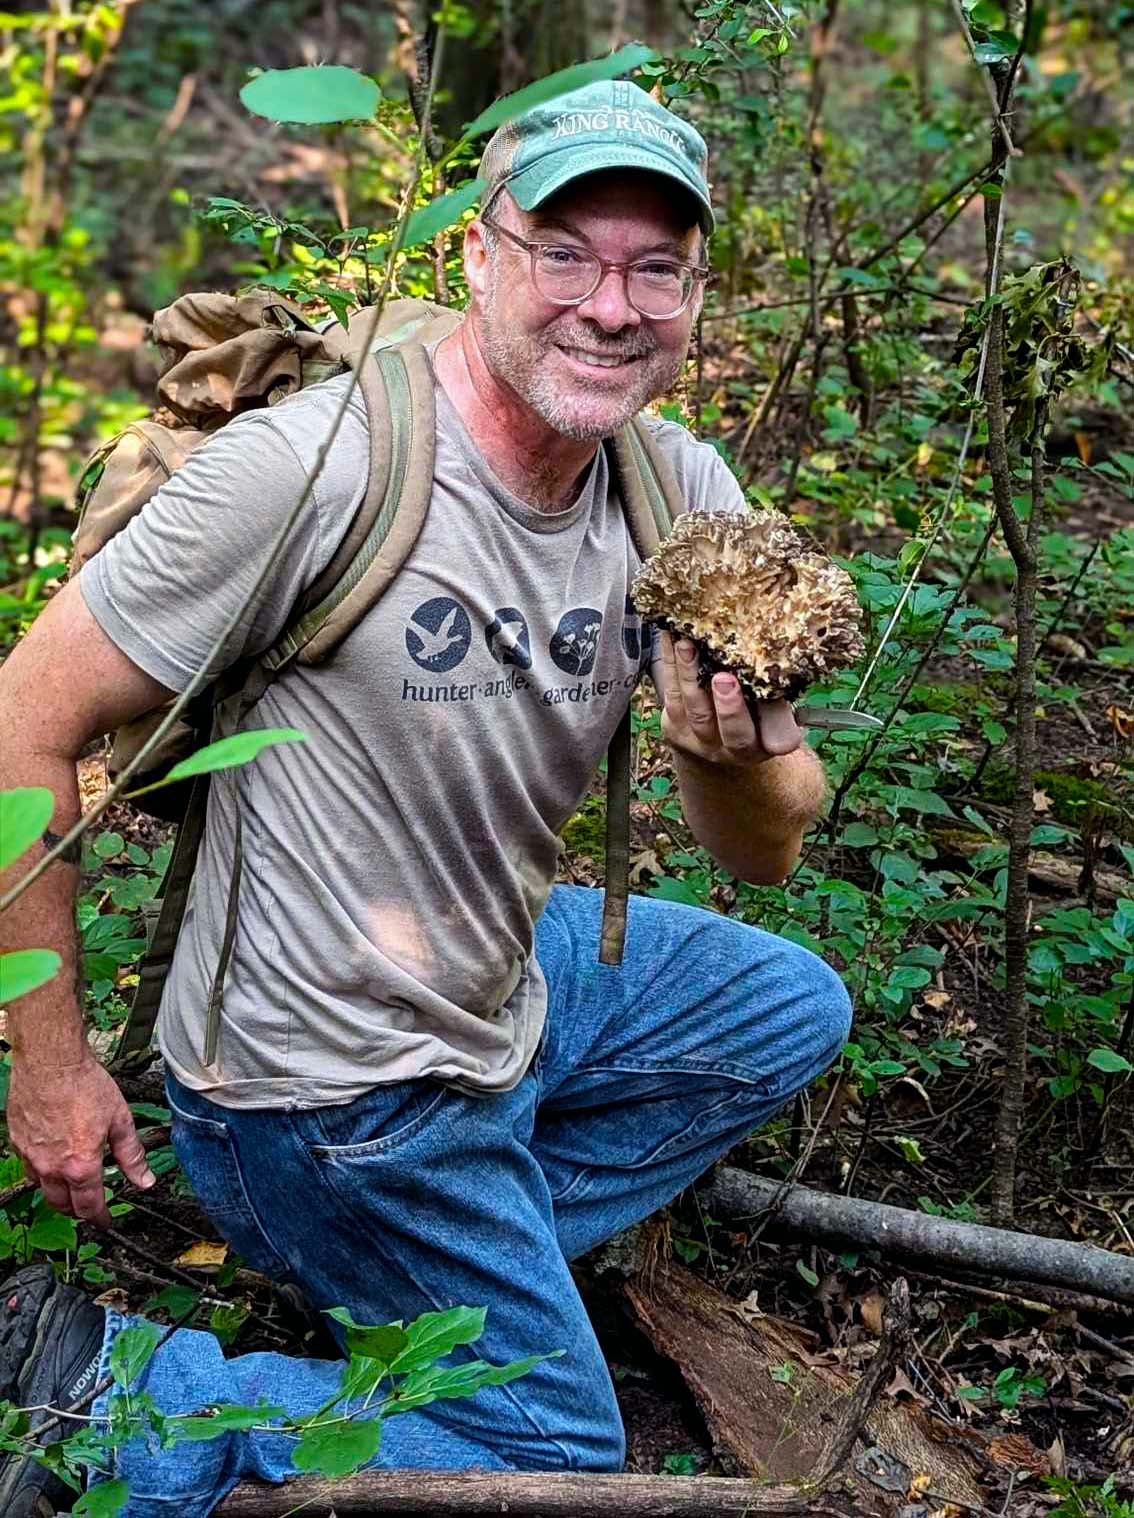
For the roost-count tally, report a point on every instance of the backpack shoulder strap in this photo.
(651, 500)
(397, 387)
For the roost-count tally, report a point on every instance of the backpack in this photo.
(222, 355)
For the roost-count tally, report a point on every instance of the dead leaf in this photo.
(645, 863)
(203, 1254)
(873, 1308)
(1041, 801)
(936, 999)
(1018, 1452)
(1121, 721)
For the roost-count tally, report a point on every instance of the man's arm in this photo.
(749, 789)
(64, 684)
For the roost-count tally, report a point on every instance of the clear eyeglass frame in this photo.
(689, 273)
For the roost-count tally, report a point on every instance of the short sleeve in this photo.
(202, 552)
(704, 479)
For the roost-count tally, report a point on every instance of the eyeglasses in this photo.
(656, 287)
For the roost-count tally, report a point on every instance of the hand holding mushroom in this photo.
(749, 617)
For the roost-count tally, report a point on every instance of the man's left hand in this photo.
(714, 723)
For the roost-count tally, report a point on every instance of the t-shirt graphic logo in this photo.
(438, 634)
(575, 641)
(508, 638)
(632, 633)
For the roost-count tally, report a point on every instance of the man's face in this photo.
(540, 349)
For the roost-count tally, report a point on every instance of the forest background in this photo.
(878, 171)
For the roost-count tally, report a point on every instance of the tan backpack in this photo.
(223, 355)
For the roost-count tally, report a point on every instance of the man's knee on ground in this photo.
(822, 1014)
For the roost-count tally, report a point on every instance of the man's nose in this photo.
(609, 306)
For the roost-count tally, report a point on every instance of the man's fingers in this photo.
(56, 1193)
(737, 729)
(696, 699)
(88, 1200)
(129, 1156)
(779, 731)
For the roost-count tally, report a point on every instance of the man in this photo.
(425, 1090)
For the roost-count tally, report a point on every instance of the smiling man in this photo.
(423, 1089)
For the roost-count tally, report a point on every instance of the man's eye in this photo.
(561, 258)
(658, 271)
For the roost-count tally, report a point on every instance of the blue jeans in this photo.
(415, 1197)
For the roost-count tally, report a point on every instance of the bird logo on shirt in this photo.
(438, 634)
(508, 639)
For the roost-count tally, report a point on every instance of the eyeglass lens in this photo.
(654, 289)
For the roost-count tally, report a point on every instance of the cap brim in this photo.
(538, 182)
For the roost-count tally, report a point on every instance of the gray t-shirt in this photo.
(396, 862)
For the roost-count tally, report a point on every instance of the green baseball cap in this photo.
(611, 125)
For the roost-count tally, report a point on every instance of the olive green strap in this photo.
(216, 992)
(133, 1048)
(650, 499)
(612, 939)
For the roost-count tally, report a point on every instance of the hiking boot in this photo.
(50, 1345)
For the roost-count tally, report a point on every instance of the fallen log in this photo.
(915, 1236)
(445, 1494)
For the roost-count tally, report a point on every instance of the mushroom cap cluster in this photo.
(755, 598)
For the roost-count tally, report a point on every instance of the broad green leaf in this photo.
(573, 78)
(438, 1382)
(424, 225)
(225, 754)
(132, 1350)
(106, 1500)
(337, 1449)
(176, 1300)
(434, 1334)
(24, 814)
(994, 51)
(325, 93)
(381, 1342)
(53, 1231)
(226, 1420)
(670, 889)
(1109, 1061)
(25, 969)
(807, 1273)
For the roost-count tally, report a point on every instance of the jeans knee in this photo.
(605, 1447)
(830, 1011)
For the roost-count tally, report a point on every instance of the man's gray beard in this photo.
(520, 365)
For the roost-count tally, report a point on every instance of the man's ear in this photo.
(477, 262)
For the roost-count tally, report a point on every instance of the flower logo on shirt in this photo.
(575, 641)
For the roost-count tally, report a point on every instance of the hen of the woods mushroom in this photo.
(756, 600)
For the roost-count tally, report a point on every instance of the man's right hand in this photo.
(61, 1122)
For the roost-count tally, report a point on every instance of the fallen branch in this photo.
(440, 1494)
(917, 1236)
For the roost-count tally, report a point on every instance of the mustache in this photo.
(596, 341)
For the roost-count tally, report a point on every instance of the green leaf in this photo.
(132, 1350)
(807, 1273)
(53, 1231)
(24, 814)
(25, 969)
(337, 1449)
(573, 78)
(225, 1420)
(384, 1342)
(911, 1150)
(176, 1300)
(440, 1381)
(1109, 1061)
(424, 225)
(107, 845)
(994, 51)
(437, 1333)
(987, 13)
(106, 1500)
(670, 889)
(325, 93)
(225, 754)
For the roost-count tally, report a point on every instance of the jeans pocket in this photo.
(207, 1154)
(378, 1122)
